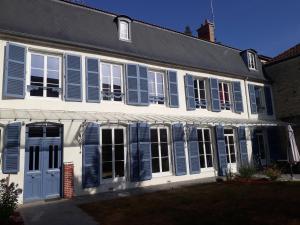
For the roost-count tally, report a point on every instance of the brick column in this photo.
(68, 180)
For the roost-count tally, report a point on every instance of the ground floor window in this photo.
(205, 148)
(113, 153)
(261, 147)
(230, 146)
(160, 150)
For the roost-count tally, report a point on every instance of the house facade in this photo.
(91, 102)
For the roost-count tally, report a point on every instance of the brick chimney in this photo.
(207, 31)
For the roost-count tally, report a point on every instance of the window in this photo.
(34, 158)
(44, 75)
(230, 146)
(251, 61)
(261, 146)
(200, 94)
(113, 153)
(124, 30)
(111, 82)
(224, 94)
(160, 150)
(156, 87)
(260, 99)
(205, 148)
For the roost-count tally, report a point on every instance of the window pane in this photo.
(209, 161)
(155, 165)
(208, 147)
(233, 159)
(201, 84)
(37, 158)
(119, 169)
(163, 135)
(165, 164)
(52, 131)
(202, 161)
(154, 136)
(206, 135)
(35, 132)
(232, 151)
(119, 136)
(164, 149)
(154, 150)
(107, 170)
(37, 61)
(31, 158)
(52, 63)
(119, 152)
(199, 132)
(50, 157)
(106, 136)
(106, 153)
(201, 150)
(55, 156)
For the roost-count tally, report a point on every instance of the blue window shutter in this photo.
(173, 89)
(178, 147)
(91, 156)
(214, 93)
(252, 99)
(92, 80)
(134, 154)
(268, 97)
(143, 86)
(73, 79)
(237, 97)
(132, 84)
(145, 158)
(189, 92)
(193, 149)
(243, 146)
(222, 158)
(11, 153)
(15, 71)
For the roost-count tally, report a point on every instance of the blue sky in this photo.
(269, 26)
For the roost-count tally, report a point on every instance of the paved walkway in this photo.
(66, 212)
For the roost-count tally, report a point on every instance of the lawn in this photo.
(221, 204)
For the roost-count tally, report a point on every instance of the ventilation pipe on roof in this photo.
(207, 31)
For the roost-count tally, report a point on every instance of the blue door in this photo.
(42, 166)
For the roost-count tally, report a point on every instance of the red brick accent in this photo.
(68, 180)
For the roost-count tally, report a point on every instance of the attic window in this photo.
(251, 61)
(124, 27)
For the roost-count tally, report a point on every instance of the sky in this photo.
(268, 26)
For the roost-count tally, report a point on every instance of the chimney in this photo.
(207, 31)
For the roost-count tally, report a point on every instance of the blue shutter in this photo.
(15, 71)
(178, 147)
(145, 158)
(243, 146)
(92, 80)
(214, 94)
(132, 85)
(274, 139)
(193, 148)
(91, 157)
(189, 92)
(143, 86)
(252, 99)
(73, 78)
(237, 97)
(11, 151)
(268, 97)
(222, 158)
(173, 89)
(134, 154)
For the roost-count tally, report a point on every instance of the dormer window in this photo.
(251, 61)
(124, 27)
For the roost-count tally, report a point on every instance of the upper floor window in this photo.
(251, 61)
(111, 82)
(200, 94)
(156, 87)
(224, 94)
(124, 30)
(45, 73)
(260, 99)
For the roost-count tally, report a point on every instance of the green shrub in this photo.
(8, 199)
(272, 172)
(247, 172)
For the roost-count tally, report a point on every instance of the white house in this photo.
(91, 101)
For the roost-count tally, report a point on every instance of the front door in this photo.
(42, 167)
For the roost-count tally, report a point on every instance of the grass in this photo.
(220, 204)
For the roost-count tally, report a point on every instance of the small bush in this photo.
(247, 172)
(8, 199)
(272, 172)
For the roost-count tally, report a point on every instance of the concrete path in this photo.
(67, 212)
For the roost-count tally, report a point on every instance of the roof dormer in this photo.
(124, 28)
(250, 59)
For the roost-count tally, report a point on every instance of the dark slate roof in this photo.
(67, 23)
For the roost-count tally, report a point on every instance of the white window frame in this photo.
(226, 136)
(114, 179)
(223, 93)
(111, 64)
(204, 149)
(156, 73)
(263, 108)
(198, 89)
(251, 61)
(166, 173)
(28, 75)
(123, 36)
